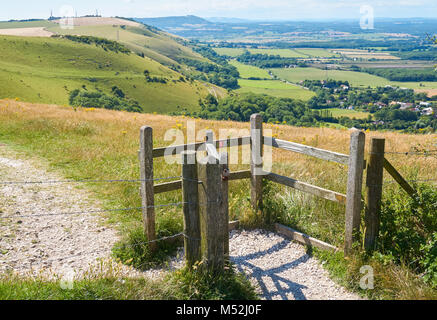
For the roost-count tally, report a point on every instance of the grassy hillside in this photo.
(155, 44)
(101, 144)
(46, 70)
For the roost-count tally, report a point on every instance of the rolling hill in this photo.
(48, 69)
(38, 68)
(153, 43)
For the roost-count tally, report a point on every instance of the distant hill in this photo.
(228, 20)
(173, 22)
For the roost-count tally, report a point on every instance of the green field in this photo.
(356, 79)
(26, 24)
(284, 53)
(47, 69)
(247, 71)
(337, 113)
(274, 88)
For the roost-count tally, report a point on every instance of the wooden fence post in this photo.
(375, 172)
(256, 134)
(354, 189)
(213, 209)
(146, 175)
(191, 208)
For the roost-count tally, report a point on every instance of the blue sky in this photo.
(249, 9)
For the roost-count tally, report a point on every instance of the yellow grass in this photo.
(119, 131)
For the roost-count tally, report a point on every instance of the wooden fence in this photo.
(204, 187)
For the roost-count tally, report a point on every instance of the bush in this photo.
(86, 99)
(408, 229)
(198, 284)
(429, 263)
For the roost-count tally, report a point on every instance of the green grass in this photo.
(180, 285)
(356, 79)
(336, 112)
(274, 88)
(26, 24)
(46, 70)
(247, 71)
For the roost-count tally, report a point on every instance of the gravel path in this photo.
(281, 269)
(60, 244)
(50, 245)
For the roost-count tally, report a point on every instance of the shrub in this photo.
(96, 99)
(408, 229)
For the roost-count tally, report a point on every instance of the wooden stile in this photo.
(191, 208)
(256, 133)
(213, 205)
(354, 189)
(147, 188)
(374, 181)
(308, 188)
(399, 179)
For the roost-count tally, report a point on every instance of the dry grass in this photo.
(101, 21)
(27, 32)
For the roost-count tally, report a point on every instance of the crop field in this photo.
(284, 53)
(356, 79)
(365, 54)
(274, 88)
(45, 70)
(247, 71)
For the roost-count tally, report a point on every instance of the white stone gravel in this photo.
(281, 269)
(49, 245)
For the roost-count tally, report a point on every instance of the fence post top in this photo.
(146, 128)
(256, 116)
(357, 133)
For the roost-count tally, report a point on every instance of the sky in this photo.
(247, 9)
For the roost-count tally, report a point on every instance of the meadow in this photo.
(337, 113)
(247, 71)
(275, 88)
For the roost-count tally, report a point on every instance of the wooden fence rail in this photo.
(206, 223)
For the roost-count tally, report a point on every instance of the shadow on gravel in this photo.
(283, 286)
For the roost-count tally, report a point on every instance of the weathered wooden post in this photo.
(354, 189)
(375, 172)
(146, 176)
(257, 141)
(213, 208)
(191, 208)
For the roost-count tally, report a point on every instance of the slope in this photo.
(47, 69)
